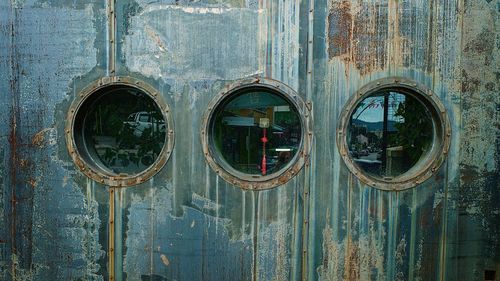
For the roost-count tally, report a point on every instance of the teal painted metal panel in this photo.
(186, 223)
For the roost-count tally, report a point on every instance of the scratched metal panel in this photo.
(360, 233)
(187, 223)
(56, 222)
(5, 107)
(479, 211)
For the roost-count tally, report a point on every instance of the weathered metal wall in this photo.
(189, 224)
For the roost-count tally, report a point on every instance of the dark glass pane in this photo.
(388, 133)
(257, 132)
(124, 131)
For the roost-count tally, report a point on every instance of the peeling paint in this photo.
(187, 223)
(159, 44)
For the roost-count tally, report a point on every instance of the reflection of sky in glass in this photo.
(372, 108)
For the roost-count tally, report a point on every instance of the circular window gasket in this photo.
(257, 181)
(86, 157)
(428, 163)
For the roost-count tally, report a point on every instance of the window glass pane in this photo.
(388, 133)
(124, 131)
(257, 132)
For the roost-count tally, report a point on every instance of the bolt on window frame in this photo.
(427, 165)
(253, 181)
(80, 155)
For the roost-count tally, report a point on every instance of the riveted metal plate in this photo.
(425, 167)
(248, 181)
(80, 155)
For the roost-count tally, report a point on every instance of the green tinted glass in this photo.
(257, 132)
(124, 131)
(389, 132)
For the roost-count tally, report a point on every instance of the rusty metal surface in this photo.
(243, 180)
(427, 166)
(187, 223)
(79, 155)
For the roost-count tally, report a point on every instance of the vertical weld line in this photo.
(307, 168)
(306, 219)
(111, 236)
(445, 227)
(270, 33)
(347, 261)
(255, 196)
(152, 219)
(413, 239)
(13, 138)
(433, 40)
(118, 234)
(310, 51)
(111, 37)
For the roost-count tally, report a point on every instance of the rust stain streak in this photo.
(13, 138)
(164, 260)
(111, 235)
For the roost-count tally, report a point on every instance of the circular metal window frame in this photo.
(426, 166)
(83, 159)
(252, 181)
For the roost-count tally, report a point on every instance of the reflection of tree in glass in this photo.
(415, 132)
(119, 142)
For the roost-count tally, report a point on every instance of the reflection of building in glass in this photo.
(362, 139)
(257, 133)
(388, 133)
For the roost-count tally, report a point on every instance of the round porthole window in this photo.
(119, 131)
(256, 133)
(393, 134)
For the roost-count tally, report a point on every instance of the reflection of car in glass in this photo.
(354, 153)
(363, 152)
(142, 120)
